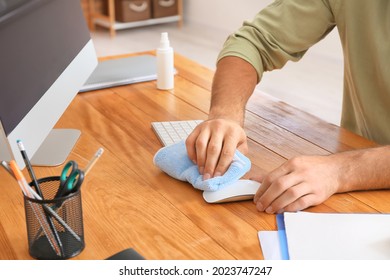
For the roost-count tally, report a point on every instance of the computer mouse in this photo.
(237, 191)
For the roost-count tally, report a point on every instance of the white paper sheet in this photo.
(337, 236)
(270, 245)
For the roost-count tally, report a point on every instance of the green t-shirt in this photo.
(285, 29)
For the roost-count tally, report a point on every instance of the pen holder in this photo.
(54, 225)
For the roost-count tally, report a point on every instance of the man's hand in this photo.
(297, 184)
(212, 145)
(306, 181)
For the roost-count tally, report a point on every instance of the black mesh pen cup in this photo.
(54, 225)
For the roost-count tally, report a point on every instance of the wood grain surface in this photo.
(128, 202)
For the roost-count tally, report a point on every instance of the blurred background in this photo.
(197, 30)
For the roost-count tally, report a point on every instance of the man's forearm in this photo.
(234, 82)
(364, 169)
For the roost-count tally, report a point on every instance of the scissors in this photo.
(70, 180)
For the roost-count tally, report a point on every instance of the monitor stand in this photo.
(56, 147)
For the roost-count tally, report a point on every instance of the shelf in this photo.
(124, 25)
(108, 21)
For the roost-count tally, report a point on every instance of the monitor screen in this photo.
(46, 55)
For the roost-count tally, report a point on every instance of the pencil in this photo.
(29, 167)
(92, 162)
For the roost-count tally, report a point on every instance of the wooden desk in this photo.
(128, 202)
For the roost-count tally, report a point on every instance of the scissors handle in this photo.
(70, 181)
(70, 165)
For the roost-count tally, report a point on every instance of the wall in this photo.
(229, 15)
(222, 14)
(314, 84)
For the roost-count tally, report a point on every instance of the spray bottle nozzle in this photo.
(164, 41)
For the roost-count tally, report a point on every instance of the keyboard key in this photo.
(174, 131)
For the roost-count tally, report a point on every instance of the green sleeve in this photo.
(282, 31)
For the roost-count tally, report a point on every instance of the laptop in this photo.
(122, 71)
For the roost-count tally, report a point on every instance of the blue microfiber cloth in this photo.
(174, 161)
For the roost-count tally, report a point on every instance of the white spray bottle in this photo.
(165, 68)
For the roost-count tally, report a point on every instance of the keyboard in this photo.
(171, 132)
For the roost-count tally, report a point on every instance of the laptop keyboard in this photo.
(171, 132)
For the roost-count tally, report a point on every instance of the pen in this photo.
(21, 179)
(92, 162)
(48, 229)
(6, 167)
(29, 167)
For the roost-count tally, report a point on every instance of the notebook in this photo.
(328, 236)
(122, 71)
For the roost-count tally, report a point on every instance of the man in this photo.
(281, 32)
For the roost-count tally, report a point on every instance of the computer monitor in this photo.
(46, 55)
